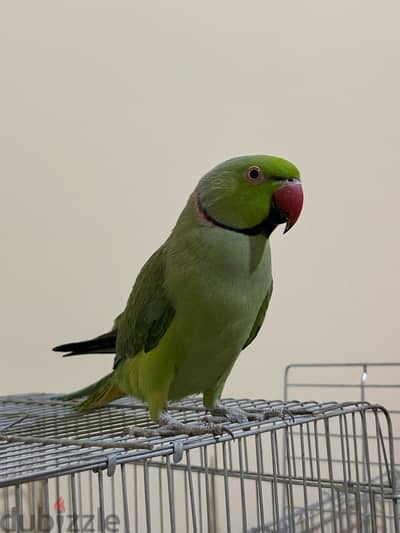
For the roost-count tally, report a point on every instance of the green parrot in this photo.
(201, 298)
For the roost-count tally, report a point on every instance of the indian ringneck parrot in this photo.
(201, 298)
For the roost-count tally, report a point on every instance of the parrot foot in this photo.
(235, 414)
(170, 427)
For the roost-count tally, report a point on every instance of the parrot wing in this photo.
(260, 317)
(148, 312)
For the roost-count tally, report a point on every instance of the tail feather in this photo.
(101, 344)
(98, 394)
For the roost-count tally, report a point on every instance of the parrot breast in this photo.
(217, 281)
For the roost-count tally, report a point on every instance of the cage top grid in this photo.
(41, 436)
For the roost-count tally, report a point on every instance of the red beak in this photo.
(289, 201)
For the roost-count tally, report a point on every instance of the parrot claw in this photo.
(170, 427)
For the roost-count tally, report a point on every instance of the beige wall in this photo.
(111, 111)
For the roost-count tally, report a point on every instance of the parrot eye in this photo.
(254, 174)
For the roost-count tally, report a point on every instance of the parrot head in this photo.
(251, 194)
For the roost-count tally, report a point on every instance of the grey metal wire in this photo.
(332, 468)
(363, 381)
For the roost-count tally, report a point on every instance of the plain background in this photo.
(111, 111)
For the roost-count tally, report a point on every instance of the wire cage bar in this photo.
(372, 381)
(331, 469)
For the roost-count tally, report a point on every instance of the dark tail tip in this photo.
(59, 348)
(69, 347)
(101, 344)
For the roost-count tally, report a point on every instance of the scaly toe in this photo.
(169, 427)
(235, 414)
(285, 412)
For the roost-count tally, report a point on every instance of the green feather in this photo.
(148, 312)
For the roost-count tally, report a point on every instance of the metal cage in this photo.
(375, 382)
(332, 469)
